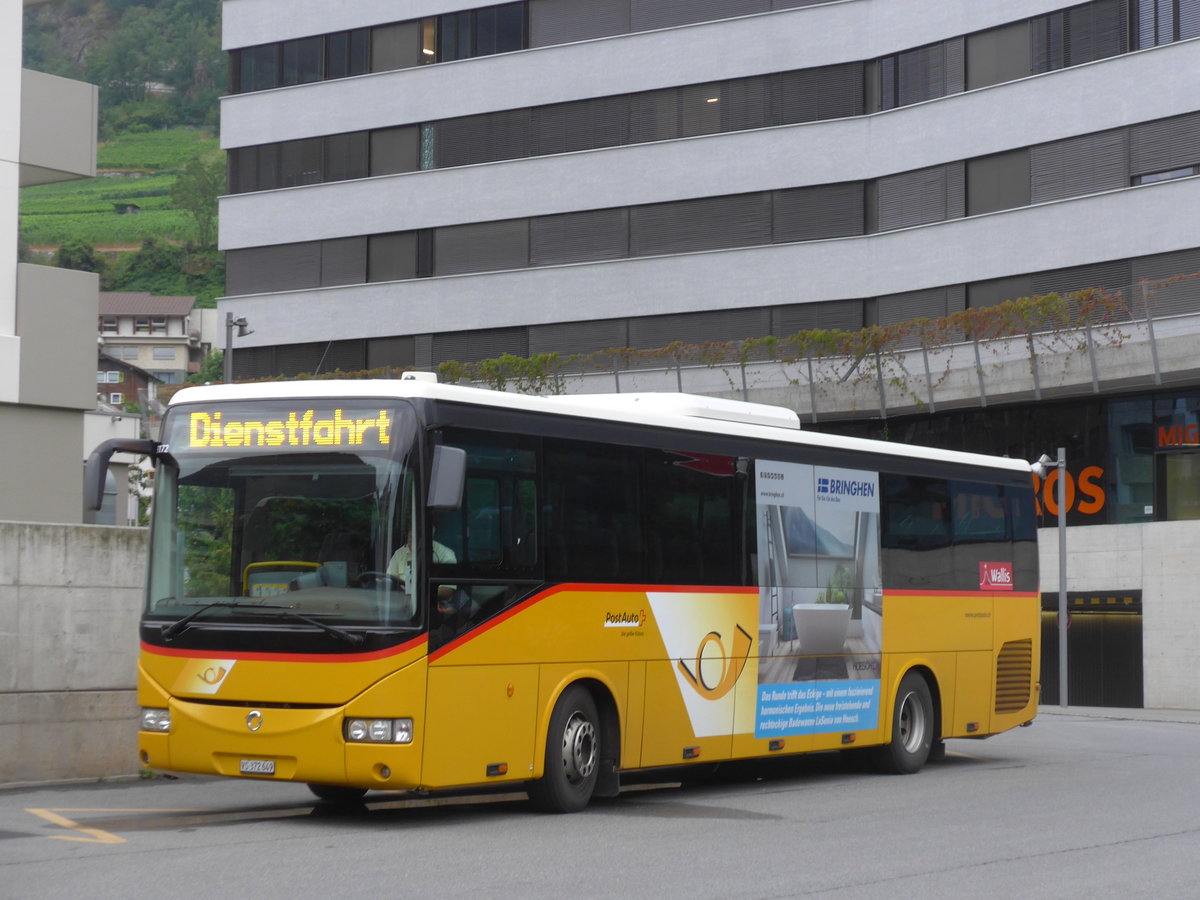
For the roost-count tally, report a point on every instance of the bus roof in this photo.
(689, 412)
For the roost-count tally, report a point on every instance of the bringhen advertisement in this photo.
(820, 599)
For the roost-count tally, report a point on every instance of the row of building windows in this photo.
(141, 325)
(458, 35)
(1072, 167)
(1069, 37)
(468, 34)
(648, 332)
(133, 352)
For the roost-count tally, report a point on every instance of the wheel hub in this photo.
(579, 748)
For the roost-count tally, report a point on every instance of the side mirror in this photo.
(447, 477)
(97, 465)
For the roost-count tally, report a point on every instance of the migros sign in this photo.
(1084, 492)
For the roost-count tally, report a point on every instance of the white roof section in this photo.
(688, 412)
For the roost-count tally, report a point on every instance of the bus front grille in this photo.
(1014, 676)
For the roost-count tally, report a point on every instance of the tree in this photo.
(79, 254)
(211, 370)
(195, 191)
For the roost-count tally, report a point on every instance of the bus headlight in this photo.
(379, 731)
(156, 719)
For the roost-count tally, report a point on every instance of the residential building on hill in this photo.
(156, 334)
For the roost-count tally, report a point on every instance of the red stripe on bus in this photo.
(1023, 594)
(288, 657)
(605, 588)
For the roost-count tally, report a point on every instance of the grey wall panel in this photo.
(473, 346)
(998, 55)
(1078, 166)
(1165, 144)
(1096, 30)
(481, 247)
(579, 237)
(345, 356)
(840, 315)
(652, 332)
(1151, 283)
(392, 257)
(295, 359)
(828, 92)
(395, 150)
(578, 337)
(912, 198)
(390, 351)
(745, 103)
(564, 21)
(282, 268)
(813, 213)
(344, 261)
(1115, 275)
(997, 290)
(956, 65)
(645, 15)
(579, 125)
(997, 182)
(709, 223)
(477, 139)
(933, 303)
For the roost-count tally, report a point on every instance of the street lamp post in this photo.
(1042, 467)
(243, 330)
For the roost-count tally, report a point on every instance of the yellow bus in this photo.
(410, 586)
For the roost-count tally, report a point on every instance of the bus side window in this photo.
(592, 514)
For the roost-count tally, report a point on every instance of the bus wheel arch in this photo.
(581, 749)
(915, 724)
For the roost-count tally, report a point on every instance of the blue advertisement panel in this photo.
(820, 599)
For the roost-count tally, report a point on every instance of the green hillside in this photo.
(137, 169)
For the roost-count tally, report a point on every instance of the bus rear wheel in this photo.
(912, 728)
(572, 755)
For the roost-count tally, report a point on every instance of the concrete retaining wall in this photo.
(1160, 559)
(70, 596)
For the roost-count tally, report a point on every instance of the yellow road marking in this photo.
(97, 836)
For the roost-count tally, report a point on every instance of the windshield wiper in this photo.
(341, 634)
(169, 631)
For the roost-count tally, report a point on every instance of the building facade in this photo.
(559, 175)
(47, 342)
(160, 335)
(570, 175)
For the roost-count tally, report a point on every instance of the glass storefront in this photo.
(1129, 459)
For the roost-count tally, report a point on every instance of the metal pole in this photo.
(1062, 576)
(227, 362)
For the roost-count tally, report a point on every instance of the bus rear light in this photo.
(379, 731)
(156, 719)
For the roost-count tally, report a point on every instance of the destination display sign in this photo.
(301, 426)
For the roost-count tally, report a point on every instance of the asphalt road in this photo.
(1077, 805)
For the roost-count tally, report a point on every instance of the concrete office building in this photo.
(47, 315)
(569, 175)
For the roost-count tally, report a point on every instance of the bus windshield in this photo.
(282, 511)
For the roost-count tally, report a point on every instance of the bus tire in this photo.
(339, 796)
(912, 728)
(572, 754)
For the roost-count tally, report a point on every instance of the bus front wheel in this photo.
(912, 728)
(572, 754)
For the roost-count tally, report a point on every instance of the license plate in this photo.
(257, 767)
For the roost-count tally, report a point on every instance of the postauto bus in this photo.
(409, 586)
